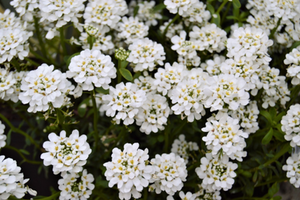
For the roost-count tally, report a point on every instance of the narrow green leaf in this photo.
(24, 152)
(232, 17)
(124, 63)
(210, 8)
(273, 189)
(249, 188)
(267, 115)
(159, 7)
(294, 45)
(102, 91)
(236, 3)
(254, 178)
(268, 137)
(67, 59)
(126, 74)
(136, 10)
(216, 19)
(279, 136)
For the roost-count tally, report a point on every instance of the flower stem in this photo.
(221, 6)
(39, 37)
(14, 129)
(24, 158)
(62, 41)
(95, 117)
(171, 22)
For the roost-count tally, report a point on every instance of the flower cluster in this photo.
(12, 181)
(129, 169)
(291, 125)
(145, 12)
(66, 154)
(293, 62)
(2, 135)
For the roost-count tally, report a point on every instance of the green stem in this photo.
(16, 64)
(95, 117)
(171, 22)
(62, 41)
(118, 71)
(145, 196)
(274, 29)
(39, 37)
(14, 129)
(221, 6)
(32, 62)
(21, 154)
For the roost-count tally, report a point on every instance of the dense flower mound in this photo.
(12, 181)
(153, 114)
(76, 185)
(216, 173)
(291, 125)
(293, 62)
(123, 102)
(66, 154)
(26, 9)
(169, 173)
(129, 170)
(182, 148)
(196, 13)
(180, 6)
(92, 69)
(225, 136)
(45, 88)
(145, 54)
(6, 83)
(2, 135)
(15, 89)
(292, 169)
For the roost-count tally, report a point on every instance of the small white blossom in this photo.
(2, 135)
(174, 29)
(216, 173)
(26, 9)
(129, 170)
(179, 6)
(170, 173)
(66, 154)
(293, 61)
(145, 12)
(7, 82)
(291, 125)
(292, 169)
(213, 66)
(76, 185)
(196, 13)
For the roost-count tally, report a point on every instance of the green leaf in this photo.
(268, 137)
(273, 189)
(254, 178)
(279, 117)
(232, 17)
(136, 10)
(126, 74)
(236, 3)
(102, 91)
(294, 45)
(124, 63)
(68, 59)
(159, 7)
(279, 136)
(249, 188)
(210, 8)
(267, 115)
(217, 19)
(24, 152)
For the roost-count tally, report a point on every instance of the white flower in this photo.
(153, 114)
(123, 102)
(92, 69)
(216, 173)
(174, 29)
(196, 13)
(61, 12)
(104, 12)
(145, 54)
(145, 83)
(170, 173)
(13, 43)
(26, 9)
(212, 67)
(207, 194)
(7, 82)
(292, 169)
(8, 19)
(182, 148)
(209, 37)
(145, 12)
(13, 95)
(129, 170)
(293, 61)
(2, 135)
(76, 185)
(45, 88)
(66, 154)
(180, 6)
(12, 181)
(131, 29)
(225, 136)
(291, 125)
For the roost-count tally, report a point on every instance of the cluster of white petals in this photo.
(12, 181)
(131, 29)
(204, 194)
(60, 13)
(292, 169)
(76, 185)
(292, 59)
(182, 148)
(196, 13)
(44, 88)
(13, 93)
(216, 173)
(179, 6)
(145, 12)
(26, 9)
(169, 173)
(174, 29)
(209, 37)
(145, 55)
(224, 136)
(129, 170)
(92, 69)
(7, 82)
(66, 154)
(153, 114)
(291, 125)
(2, 135)
(213, 66)
(123, 102)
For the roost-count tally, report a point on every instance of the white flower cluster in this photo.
(6, 83)
(196, 13)
(291, 125)
(216, 173)
(2, 135)
(130, 29)
(209, 37)
(26, 9)
(104, 12)
(204, 194)
(60, 13)
(182, 148)
(45, 88)
(169, 173)
(174, 29)
(179, 6)
(213, 66)
(91, 69)
(293, 61)
(12, 181)
(292, 169)
(145, 54)
(66, 154)
(129, 169)
(145, 12)
(225, 137)
(76, 185)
